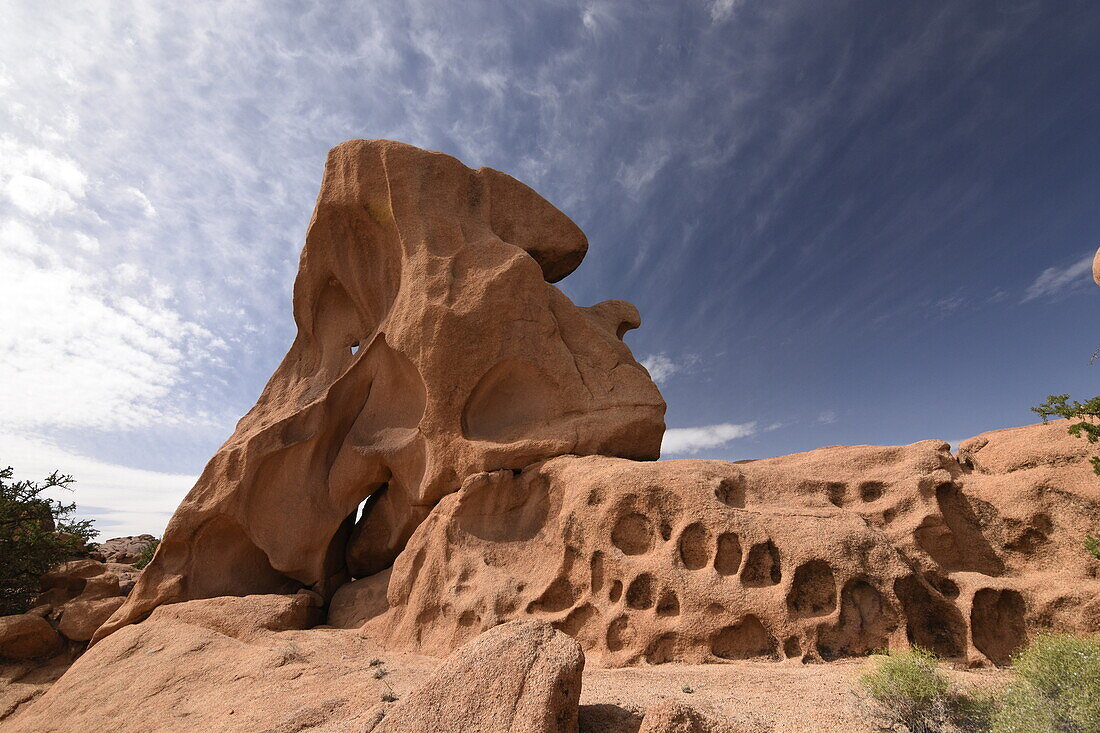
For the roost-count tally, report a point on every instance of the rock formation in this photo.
(815, 556)
(499, 435)
(431, 346)
(454, 458)
(123, 549)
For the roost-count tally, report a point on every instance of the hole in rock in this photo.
(355, 348)
(762, 565)
(639, 594)
(837, 492)
(668, 604)
(727, 558)
(512, 400)
(633, 534)
(943, 585)
(954, 538)
(695, 546)
(662, 650)
(930, 622)
(1027, 539)
(871, 490)
(864, 626)
(714, 609)
(577, 620)
(666, 531)
(792, 648)
(619, 634)
(558, 597)
(813, 590)
(233, 565)
(469, 618)
(596, 566)
(744, 640)
(615, 592)
(731, 492)
(997, 623)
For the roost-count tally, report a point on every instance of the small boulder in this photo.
(673, 716)
(80, 618)
(25, 636)
(519, 677)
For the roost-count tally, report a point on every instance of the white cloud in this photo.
(678, 441)
(1055, 281)
(660, 367)
(37, 197)
(76, 353)
(141, 200)
(122, 501)
(827, 418)
(722, 10)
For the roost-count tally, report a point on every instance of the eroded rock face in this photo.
(431, 346)
(837, 552)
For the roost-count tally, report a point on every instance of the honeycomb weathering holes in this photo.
(633, 534)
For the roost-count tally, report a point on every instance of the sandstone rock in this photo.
(25, 636)
(671, 716)
(80, 618)
(243, 617)
(124, 549)
(1096, 267)
(836, 552)
(690, 561)
(72, 576)
(167, 674)
(521, 677)
(431, 345)
(357, 602)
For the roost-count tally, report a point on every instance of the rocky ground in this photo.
(252, 679)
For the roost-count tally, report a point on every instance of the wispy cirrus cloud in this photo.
(1061, 279)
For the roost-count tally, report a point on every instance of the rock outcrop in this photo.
(126, 550)
(520, 677)
(431, 345)
(815, 556)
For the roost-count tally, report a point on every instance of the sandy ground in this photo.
(311, 681)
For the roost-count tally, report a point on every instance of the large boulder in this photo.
(431, 345)
(80, 618)
(520, 677)
(26, 636)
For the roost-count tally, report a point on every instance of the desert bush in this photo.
(1056, 688)
(146, 555)
(1087, 413)
(36, 535)
(907, 689)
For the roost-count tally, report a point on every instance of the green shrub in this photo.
(907, 689)
(36, 535)
(146, 555)
(1056, 688)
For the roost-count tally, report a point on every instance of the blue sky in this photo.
(844, 222)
